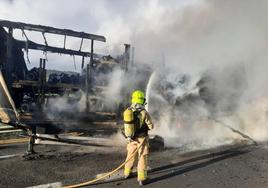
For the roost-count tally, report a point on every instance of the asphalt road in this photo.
(230, 166)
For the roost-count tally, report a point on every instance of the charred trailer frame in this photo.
(13, 64)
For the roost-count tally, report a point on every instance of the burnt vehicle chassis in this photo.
(32, 86)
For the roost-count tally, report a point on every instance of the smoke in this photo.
(184, 116)
(68, 105)
(218, 59)
(113, 93)
(202, 34)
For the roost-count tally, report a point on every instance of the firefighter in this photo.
(137, 122)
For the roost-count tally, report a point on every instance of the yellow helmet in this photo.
(138, 97)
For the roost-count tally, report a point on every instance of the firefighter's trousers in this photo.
(142, 156)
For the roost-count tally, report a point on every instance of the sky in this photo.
(117, 20)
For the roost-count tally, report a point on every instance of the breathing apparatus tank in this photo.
(129, 123)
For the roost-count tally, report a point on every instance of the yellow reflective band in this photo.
(127, 171)
(142, 175)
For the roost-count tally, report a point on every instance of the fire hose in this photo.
(109, 173)
(235, 131)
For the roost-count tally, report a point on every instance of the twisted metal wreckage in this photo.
(16, 81)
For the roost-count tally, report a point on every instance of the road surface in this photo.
(239, 165)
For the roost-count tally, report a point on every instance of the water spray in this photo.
(148, 89)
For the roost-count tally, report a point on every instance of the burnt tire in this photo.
(156, 143)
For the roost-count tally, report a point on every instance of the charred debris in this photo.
(32, 89)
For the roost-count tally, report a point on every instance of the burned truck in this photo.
(44, 97)
(33, 90)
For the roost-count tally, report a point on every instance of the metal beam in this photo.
(35, 46)
(48, 29)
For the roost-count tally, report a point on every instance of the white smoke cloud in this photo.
(225, 41)
(112, 96)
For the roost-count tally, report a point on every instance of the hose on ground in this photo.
(109, 173)
(235, 131)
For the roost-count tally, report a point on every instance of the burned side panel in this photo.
(11, 58)
(8, 111)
